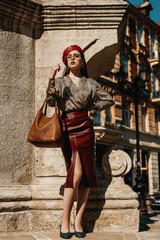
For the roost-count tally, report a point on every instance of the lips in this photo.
(72, 62)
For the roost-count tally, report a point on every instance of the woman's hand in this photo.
(54, 70)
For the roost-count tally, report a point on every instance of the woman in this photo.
(76, 94)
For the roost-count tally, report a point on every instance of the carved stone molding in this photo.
(83, 15)
(33, 17)
(116, 163)
(21, 16)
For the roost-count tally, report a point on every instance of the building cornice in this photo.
(83, 15)
(33, 17)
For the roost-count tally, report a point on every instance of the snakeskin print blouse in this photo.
(88, 95)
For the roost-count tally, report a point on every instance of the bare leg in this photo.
(81, 204)
(69, 195)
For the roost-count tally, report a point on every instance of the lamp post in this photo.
(137, 92)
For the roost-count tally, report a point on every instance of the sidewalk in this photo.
(149, 230)
(55, 236)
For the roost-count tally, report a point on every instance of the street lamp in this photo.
(136, 90)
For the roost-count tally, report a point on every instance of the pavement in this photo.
(149, 230)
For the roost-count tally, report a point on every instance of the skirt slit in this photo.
(77, 165)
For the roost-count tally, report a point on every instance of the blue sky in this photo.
(155, 13)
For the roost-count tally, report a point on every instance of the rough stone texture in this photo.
(49, 162)
(111, 208)
(15, 221)
(112, 220)
(17, 107)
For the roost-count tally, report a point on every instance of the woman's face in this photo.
(74, 60)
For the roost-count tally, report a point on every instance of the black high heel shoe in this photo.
(65, 235)
(79, 234)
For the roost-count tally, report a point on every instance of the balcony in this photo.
(155, 61)
(105, 131)
(156, 96)
(141, 53)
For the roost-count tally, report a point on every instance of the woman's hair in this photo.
(83, 70)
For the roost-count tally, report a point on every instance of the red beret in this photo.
(70, 49)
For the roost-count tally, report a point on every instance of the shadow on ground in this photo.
(146, 221)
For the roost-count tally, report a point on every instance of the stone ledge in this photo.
(15, 206)
(82, 2)
(48, 192)
(15, 192)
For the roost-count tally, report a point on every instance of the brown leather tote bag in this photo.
(46, 131)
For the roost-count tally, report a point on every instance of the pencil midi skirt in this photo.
(79, 137)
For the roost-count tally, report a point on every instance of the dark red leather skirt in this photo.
(79, 137)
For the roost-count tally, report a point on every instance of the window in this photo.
(108, 115)
(154, 80)
(147, 40)
(152, 46)
(139, 33)
(126, 115)
(132, 28)
(124, 62)
(97, 119)
(144, 164)
(144, 167)
(140, 67)
(159, 48)
(143, 119)
(156, 122)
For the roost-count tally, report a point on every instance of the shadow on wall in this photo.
(97, 196)
(95, 206)
(22, 17)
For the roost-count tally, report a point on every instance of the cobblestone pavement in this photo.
(149, 230)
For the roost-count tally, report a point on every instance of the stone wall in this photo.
(17, 107)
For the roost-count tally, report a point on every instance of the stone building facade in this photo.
(33, 36)
(141, 48)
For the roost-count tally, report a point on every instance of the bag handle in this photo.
(45, 110)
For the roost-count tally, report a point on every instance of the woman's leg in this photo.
(69, 195)
(81, 204)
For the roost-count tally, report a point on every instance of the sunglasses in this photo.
(75, 56)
